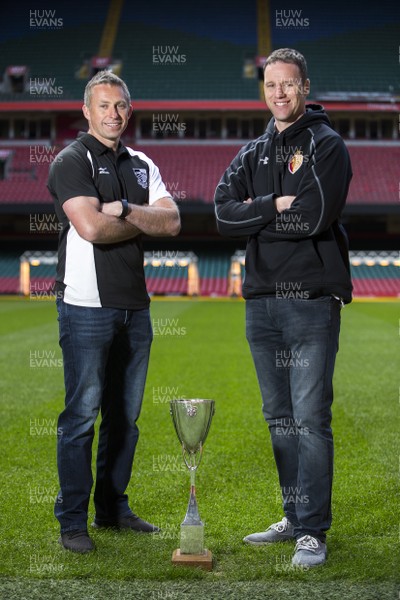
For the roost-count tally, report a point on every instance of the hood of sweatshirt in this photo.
(315, 114)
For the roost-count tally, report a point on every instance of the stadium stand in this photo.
(37, 48)
(202, 67)
(353, 69)
(363, 72)
(191, 172)
(375, 174)
(166, 279)
(9, 273)
(164, 284)
(27, 179)
(373, 274)
(378, 285)
(213, 273)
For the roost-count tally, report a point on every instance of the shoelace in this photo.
(307, 542)
(281, 526)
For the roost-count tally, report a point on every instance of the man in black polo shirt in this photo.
(106, 196)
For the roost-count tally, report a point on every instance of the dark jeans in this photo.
(294, 344)
(105, 354)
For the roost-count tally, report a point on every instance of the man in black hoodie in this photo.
(286, 191)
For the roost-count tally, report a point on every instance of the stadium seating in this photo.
(375, 174)
(165, 280)
(211, 54)
(38, 49)
(335, 66)
(28, 178)
(9, 273)
(376, 280)
(214, 272)
(376, 288)
(197, 170)
(191, 173)
(368, 280)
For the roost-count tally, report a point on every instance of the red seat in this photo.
(192, 172)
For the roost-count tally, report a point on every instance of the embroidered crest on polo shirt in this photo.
(141, 176)
(295, 162)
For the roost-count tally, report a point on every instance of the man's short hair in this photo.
(105, 77)
(288, 55)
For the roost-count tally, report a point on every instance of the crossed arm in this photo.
(281, 203)
(319, 201)
(100, 224)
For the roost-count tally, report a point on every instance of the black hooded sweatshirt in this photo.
(303, 251)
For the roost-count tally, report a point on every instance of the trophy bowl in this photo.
(192, 420)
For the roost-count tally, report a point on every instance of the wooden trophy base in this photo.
(204, 561)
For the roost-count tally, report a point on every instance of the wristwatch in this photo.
(125, 208)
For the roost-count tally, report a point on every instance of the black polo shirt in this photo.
(102, 275)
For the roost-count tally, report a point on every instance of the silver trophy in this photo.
(192, 420)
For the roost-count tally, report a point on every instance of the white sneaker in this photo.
(309, 552)
(277, 532)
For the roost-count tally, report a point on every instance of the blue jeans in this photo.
(294, 344)
(105, 353)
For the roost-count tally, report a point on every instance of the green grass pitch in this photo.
(200, 351)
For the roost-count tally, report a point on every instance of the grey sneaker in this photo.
(309, 552)
(277, 532)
